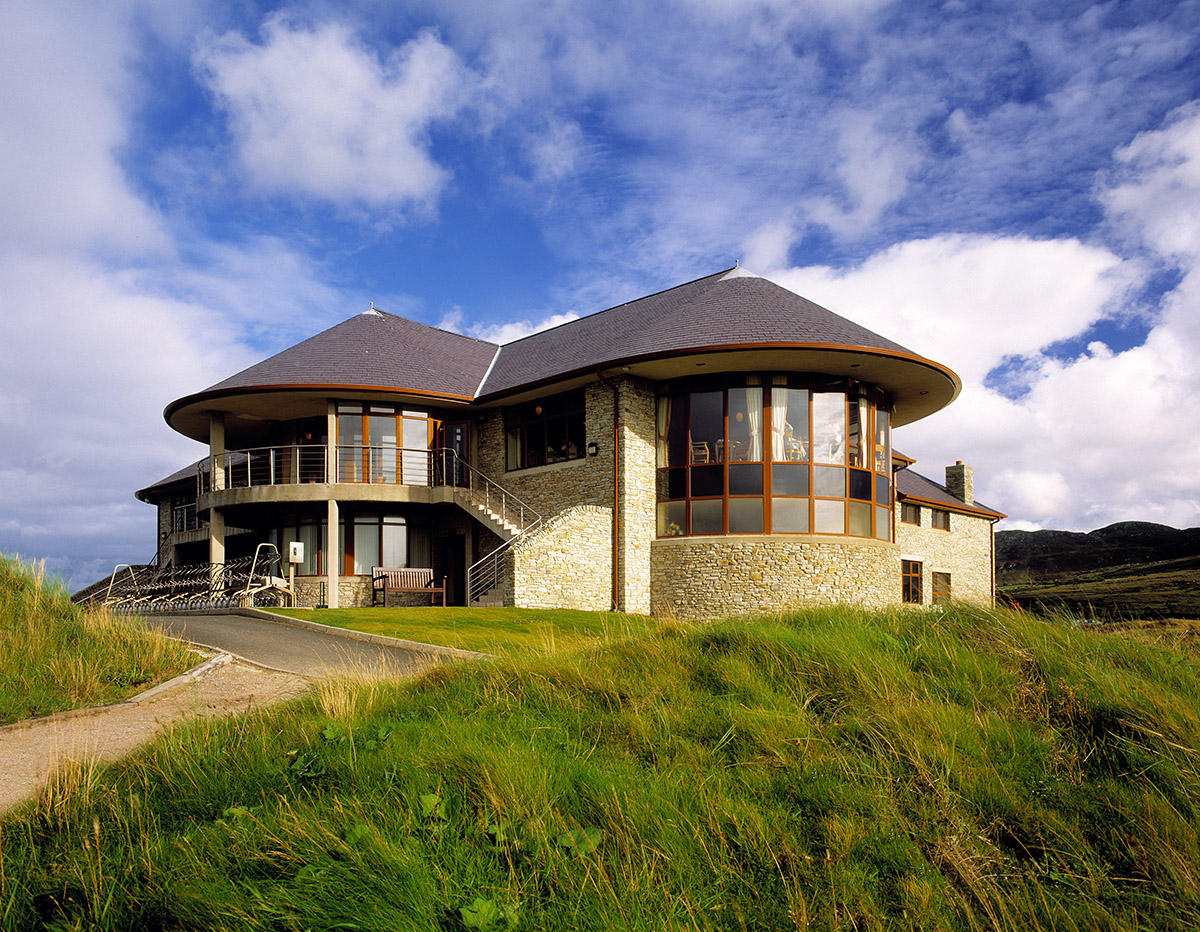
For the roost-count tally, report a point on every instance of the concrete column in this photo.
(331, 441)
(333, 555)
(216, 446)
(216, 537)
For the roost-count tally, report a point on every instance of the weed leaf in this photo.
(581, 841)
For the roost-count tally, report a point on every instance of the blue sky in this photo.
(1011, 189)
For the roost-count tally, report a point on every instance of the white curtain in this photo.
(754, 416)
(779, 422)
(664, 421)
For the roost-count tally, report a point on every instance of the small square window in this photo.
(940, 519)
(910, 514)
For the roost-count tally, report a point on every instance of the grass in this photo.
(974, 769)
(55, 655)
(491, 630)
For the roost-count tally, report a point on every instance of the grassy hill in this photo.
(55, 655)
(1128, 570)
(828, 769)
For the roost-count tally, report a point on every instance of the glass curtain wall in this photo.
(778, 454)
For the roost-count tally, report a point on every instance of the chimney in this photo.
(960, 482)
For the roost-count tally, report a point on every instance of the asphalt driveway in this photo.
(292, 649)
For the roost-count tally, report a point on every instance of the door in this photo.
(455, 437)
(453, 565)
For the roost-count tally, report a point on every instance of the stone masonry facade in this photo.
(565, 564)
(965, 552)
(711, 577)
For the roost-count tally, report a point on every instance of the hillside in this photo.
(968, 769)
(1130, 569)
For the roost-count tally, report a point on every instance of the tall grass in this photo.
(55, 655)
(826, 769)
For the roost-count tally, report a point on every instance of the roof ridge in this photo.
(617, 307)
(421, 323)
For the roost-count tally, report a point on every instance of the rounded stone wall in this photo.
(711, 577)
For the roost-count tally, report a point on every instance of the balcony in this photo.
(299, 473)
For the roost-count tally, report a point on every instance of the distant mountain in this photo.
(1130, 569)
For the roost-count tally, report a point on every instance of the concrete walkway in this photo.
(298, 650)
(31, 751)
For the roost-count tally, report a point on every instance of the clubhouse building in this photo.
(722, 446)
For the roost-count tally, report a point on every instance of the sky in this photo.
(1012, 189)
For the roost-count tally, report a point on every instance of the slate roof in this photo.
(379, 350)
(914, 485)
(728, 308)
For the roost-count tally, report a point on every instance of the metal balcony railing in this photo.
(381, 465)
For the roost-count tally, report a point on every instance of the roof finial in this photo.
(737, 262)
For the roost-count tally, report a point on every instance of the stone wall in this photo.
(565, 564)
(710, 577)
(965, 552)
(550, 489)
(636, 504)
(353, 592)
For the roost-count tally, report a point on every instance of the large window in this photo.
(773, 454)
(549, 430)
(910, 581)
(374, 540)
(383, 444)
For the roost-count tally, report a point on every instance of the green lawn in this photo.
(491, 630)
(55, 655)
(827, 769)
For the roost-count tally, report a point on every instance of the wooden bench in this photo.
(385, 579)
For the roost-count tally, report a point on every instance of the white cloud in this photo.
(1156, 191)
(873, 167)
(506, 332)
(1098, 438)
(970, 301)
(61, 186)
(315, 111)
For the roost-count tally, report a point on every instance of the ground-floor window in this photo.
(373, 540)
(941, 588)
(910, 581)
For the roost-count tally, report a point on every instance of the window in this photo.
(939, 518)
(941, 588)
(380, 444)
(910, 514)
(776, 454)
(549, 430)
(910, 581)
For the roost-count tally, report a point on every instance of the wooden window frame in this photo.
(851, 392)
(911, 582)
(907, 509)
(941, 588)
(939, 518)
(523, 416)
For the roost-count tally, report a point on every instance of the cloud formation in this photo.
(314, 111)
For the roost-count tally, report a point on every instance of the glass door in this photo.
(455, 437)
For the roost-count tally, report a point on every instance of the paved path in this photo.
(31, 752)
(296, 650)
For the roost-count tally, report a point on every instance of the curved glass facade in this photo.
(773, 454)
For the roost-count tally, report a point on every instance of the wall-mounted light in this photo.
(593, 448)
(537, 409)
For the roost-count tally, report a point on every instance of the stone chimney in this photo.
(960, 482)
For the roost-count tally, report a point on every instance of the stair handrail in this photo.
(484, 574)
